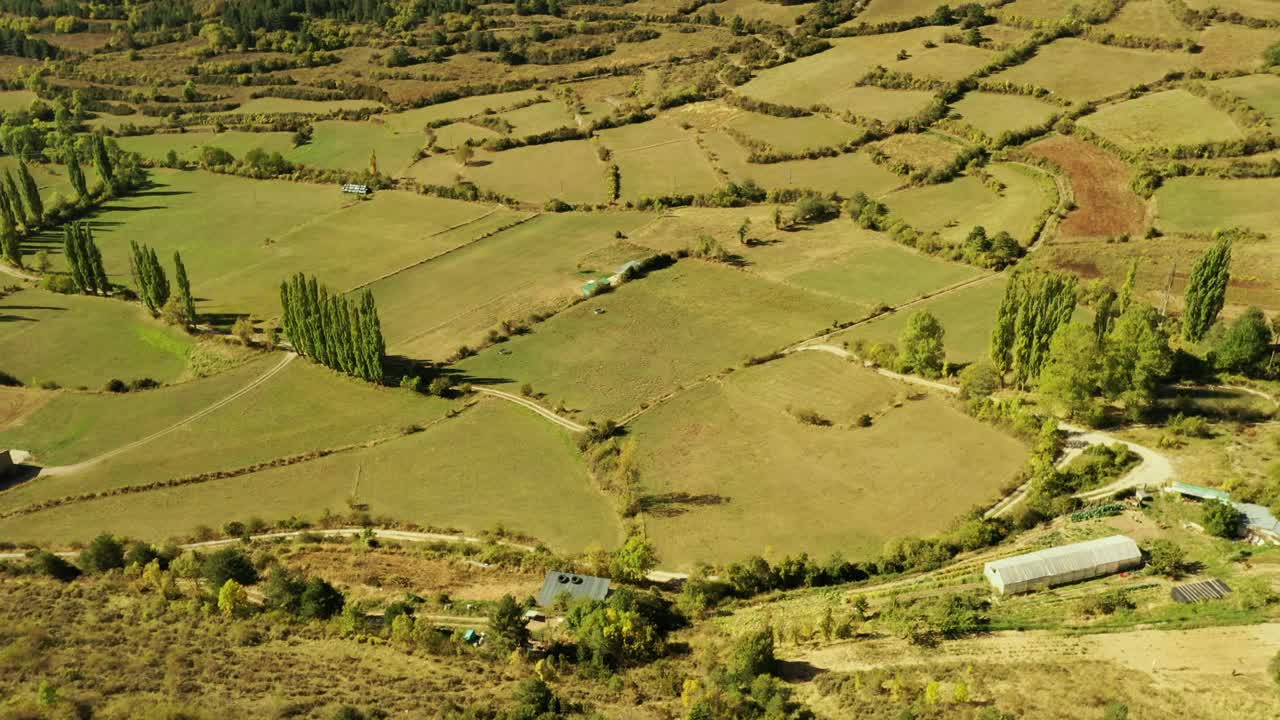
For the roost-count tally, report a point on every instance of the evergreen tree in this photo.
(75, 263)
(6, 209)
(94, 257)
(149, 276)
(184, 287)
(76, 174)
(102, 161)
(160, 286)
(1207, 289)
(1105, 315)
(31, 191)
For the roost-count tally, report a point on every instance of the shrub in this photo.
(103, 554)
(809, 416)
(752, 654)
(61, 284)
(1166, 558)
(7, 380)
(1221, 519)
(116, 385)
(228, 564)
(55, 567)
(320, 600)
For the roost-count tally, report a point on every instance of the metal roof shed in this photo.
(575, 586)
(1063, 565)
(1197, 491)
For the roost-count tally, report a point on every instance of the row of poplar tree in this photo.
(337, 332)
(153, 284)
(84, 260)
(20, 204)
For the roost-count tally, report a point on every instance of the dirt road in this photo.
(563, 422)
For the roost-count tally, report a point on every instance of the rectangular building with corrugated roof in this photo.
(1063, 565)
(560, 584)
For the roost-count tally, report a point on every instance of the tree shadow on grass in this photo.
(673, 504)
(18, 475)
(796, 670)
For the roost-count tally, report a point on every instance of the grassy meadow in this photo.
(76, 341)
(731, 472)
(1081, 71)
(686, 322)
(996, 113)
(954, 208)
(1203, 205)
(450, 475)
(1160, 120)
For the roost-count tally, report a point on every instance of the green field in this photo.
(431, 309)
(188, 144)
(268, 105)
(1039, 9)
(732, 473)
(538, 118)
(996, 113)
(1079, 71)
(953, 209)
(670, 328)
(77, 340)
(795, 134)
(878, 11)
(674, 168)
(845, 174)
(455, 134)
(1264, 9)
(878, 103)
(1148, 18)
(414, 121)
(346, 145)
(73, 427)
(465, 473)
(1262, 92)
(52, 179)
(569, 171)
(304, 407)
(967, 315)
(1162, 120)
(1197, 204)
(236, 264)
(836, 259)
(949, 61)
(783, 15)
(1232, 47)
(821, 78)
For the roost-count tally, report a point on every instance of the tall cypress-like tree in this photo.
(100, 281)
(1035, 305)
(338, 332)
(1207, 289)
(14, 196)
(75, 173)
(6, 209)
(31, 191)
(1130, 281)
(75, 262)
(184, 287)
(102, 161)
(10, 243)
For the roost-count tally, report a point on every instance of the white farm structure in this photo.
(1063, 565)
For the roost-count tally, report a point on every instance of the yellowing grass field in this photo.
(654, 334)
(731, 472)
(1081, 71)
(468, 473)
(954, 208)
(1262, 92)
(846, 174)
(1206, 204)
(795, 134)
(1165, 119)
(996, 113)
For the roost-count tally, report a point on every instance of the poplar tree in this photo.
(102, 161)
(184, 287)
(149, 276)
(10, 243)
(341, 333)
(14, 197)
(75, 263)
(1035, 305)
(1130, 281)
(76, 174)
(613, 182)
(31, 191)
(6, 209)
(1207, 289)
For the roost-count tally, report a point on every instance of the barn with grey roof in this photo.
(576, 587)
(1063, 565)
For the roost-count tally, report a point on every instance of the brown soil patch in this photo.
(390, 573)
(17, 403)
(1100, 182)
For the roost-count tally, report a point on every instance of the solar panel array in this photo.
(1201, 591)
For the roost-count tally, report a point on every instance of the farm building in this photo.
(576, 587)
(1198, 492)
(355, 189)
(1063, 565)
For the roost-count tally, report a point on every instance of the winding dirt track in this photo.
(563, 422)
(65, 469)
